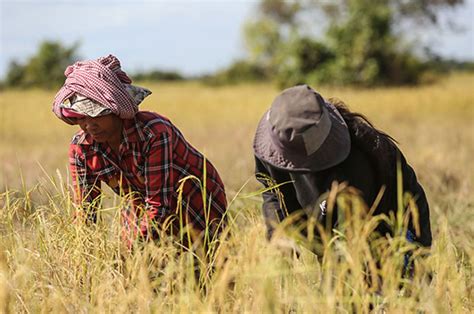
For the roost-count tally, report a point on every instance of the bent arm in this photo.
(159, 187)
(411, 184)
(272, 207)
(86, 186)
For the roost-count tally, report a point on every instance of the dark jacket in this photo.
(371, 164)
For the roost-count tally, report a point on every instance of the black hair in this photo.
(358, 124)
(380, 147)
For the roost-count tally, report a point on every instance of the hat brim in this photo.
(333, 150)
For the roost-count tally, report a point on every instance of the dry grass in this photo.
(47, 263)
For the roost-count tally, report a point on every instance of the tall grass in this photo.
(51, 263)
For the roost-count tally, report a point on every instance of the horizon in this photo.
(200, 37)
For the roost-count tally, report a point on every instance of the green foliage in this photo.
(263, 40)
(367, 50)
(281, 11)
(15, 75)
(360, 46)
(441, 65)
(45, 69)
(239, 71)
(304, 58)
(157, 75)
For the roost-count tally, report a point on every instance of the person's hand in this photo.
(286, 245)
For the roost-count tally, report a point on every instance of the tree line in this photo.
(356, 42)
(342, 42)
(45, 69)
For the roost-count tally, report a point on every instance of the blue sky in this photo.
(190, 36)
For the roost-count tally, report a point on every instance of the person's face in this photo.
(106, 128)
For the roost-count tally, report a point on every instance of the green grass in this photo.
(49, 263)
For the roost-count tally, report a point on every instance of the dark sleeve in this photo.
(271, 208)
(411, 184)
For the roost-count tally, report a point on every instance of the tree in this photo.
(15, 74)
(263, 40)
(361, 43)
(45, 69)
(158, 75)
(239, 71)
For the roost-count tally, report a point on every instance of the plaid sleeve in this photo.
(86, 188)
(159, 188)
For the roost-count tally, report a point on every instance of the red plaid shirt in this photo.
(153, 157)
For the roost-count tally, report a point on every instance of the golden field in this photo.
(48, 263)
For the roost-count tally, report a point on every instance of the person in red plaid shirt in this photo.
(139, 154)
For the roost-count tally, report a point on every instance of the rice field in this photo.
(51, 263)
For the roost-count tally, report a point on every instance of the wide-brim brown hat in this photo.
(302, 132)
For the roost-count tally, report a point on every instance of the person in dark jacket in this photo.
(304, 143)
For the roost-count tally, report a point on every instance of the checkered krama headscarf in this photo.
(102, 81)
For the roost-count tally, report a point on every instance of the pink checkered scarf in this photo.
(101, 80)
